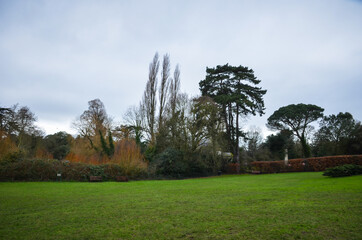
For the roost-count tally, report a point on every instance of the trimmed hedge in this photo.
(316, 164)
(46, 170)
(231, 168)
(343, 171)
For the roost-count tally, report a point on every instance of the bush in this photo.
(30, 170)
(343, 171)
(46, 170)
(231, 168)
(316, 164)
(198, 168)
(269, 166)
(11, 157)
(171, 163)
(174, 163)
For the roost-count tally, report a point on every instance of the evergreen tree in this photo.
(235, 89)
(297, 118)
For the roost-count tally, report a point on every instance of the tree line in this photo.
(178, 135)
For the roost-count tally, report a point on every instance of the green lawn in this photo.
(273, 206)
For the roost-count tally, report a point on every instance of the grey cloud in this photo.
(55, 56)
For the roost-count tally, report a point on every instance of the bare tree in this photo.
(25, 123)
(19, 123)
(7, 120)
(134, 122)
(149, 98)
(93, 122)
(163, 91)
(174, 90)
(174, 99)
(25, 120)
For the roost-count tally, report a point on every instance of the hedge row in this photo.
(231, 168)
(316, 164)
(47, 170)
(343, 171)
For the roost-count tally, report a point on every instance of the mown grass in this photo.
(273, 206)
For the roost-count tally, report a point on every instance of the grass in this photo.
(273, 206)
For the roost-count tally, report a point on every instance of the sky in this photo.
(55, 56)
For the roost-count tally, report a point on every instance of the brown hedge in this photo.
(231, 168)
(306, 165)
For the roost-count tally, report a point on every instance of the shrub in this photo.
(7, 145)
(178, 164)
(231, 168)
(198, 168)
(343, 171)
(316, 164)
(269, 166)
(30, 169)
(128, 155)
(46, 170)
(207, 161)
(171, 163)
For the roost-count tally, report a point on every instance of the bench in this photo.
(255, 172)
(122, 179)
(95, 178)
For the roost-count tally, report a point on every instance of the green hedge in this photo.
(46, 170)
(343, 171)
(316, 164)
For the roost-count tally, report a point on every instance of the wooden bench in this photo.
(95, 178)
(255, 172)
(122, 179)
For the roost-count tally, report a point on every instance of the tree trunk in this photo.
(237, 142)
(305, 146)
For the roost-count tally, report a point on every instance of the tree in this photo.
(107, 149)
(58, 144)
(235, 89)
(336, 127)
(164, 87)
(162, 99)
(174, 92)
(277, 144)
(25, 120)
(298, 119)
(134, 120)
(149, 98)
(208, 121)
(180, 134)
(6, 120)
(18, 124)
(93, 122)
(254, 141)
(354, 144)
(334, 133)
(7, 127)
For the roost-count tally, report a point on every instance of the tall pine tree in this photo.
(235, 89)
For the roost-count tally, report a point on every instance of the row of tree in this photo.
(177, 134)
(338, 134)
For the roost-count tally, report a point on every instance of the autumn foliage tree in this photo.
(17, 125)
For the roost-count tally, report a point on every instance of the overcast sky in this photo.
(55, 56)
